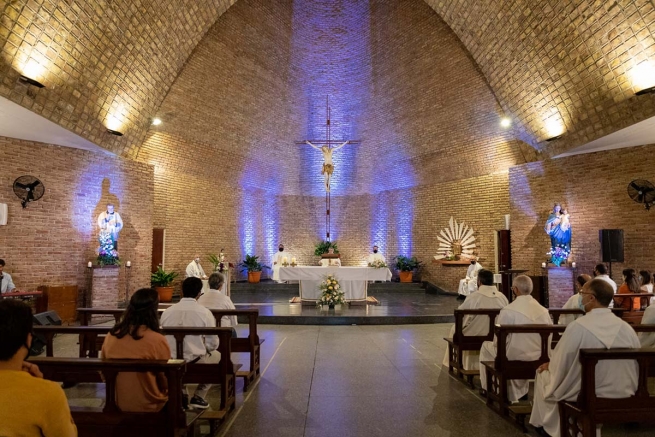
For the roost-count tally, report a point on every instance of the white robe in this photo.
(599, 328)
(194, 270)
(375, 257)
(469, 284)
(277, 259)
(571, 304)
(525, 310)
(487, 297)
(330, 262)
(647, 339)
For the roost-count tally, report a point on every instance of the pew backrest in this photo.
(463, 317)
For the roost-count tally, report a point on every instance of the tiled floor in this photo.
(353, 381)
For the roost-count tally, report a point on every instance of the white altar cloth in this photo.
(353, 280)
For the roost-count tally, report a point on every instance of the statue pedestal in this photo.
(105, 290)
(561, 285)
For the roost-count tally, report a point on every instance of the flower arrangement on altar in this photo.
(219, 262)
(558, 255)
(107, 253)
(331, 293)
(378, 264)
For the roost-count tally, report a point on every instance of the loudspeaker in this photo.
(42, 319)
(611, 244)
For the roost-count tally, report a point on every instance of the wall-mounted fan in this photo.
(28, 189)
(642, 191)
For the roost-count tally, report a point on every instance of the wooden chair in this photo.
(581, 417)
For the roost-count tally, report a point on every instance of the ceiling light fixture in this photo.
(115, 132)
(555, 138)
(505, 122)
(156, 121)
(31, 81)
(643, 77)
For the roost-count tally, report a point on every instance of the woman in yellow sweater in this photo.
(30, 406)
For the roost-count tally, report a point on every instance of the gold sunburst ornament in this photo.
(456, 242)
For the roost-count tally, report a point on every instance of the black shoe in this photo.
(198, 402)
(185, 402)
(461, 297)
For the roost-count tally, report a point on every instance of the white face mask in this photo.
(197, 260)
(580, 304)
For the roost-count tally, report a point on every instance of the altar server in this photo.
(469, 284)
(194, 269)
(278, 259)
(524, 310)
(487, 297)
(6, 283)
(375, 256)
(560, 379)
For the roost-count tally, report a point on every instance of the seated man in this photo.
(30, 405)
(647, 339)
(325, 262)
(6, 283)
(194, 269)
(525, 310)
(469, 284)
(560, 379)
(190, 314)
(215, 300)
(575, 301)
(487, 297)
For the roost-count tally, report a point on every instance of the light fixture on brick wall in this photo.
(31, 70)
(115, 132)
(643, 77)
(505, 122)
(156, 121)
(114, 122)
(554, 125)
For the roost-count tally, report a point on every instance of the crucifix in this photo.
(327, 147)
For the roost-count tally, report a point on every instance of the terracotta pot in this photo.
(405, 276)
(254, 277)
(165, 293)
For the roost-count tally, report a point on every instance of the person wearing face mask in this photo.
(559, 380)
(31, 406)
(524, 310)
(375, 256)
(194, 269)
(278, 259)
(575, 301)
(469, 284)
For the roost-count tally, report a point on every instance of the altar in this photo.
(353, 280)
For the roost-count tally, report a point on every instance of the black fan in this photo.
(28, 189)
(642, 191)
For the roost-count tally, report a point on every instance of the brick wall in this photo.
(594, 189)
(50, 242)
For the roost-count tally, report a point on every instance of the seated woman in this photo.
(137, 336)
(630, 285)
(646, 280)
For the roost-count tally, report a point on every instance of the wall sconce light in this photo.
(30, 81)
(505, 122)
(32, 69)
(156, 121)
(643, 77)
(554, 126)
(114, 123)
(115, 132)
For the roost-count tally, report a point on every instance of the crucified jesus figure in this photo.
(328, 166)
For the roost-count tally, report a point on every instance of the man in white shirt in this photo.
(375, 256)
(487, 297)
(600, 272)
(575, 301)
(277, 260)
(561, 378)
(215, 300)
(647, 339)
(524, 310)
(189, 313)
(194, 269)
(469, 284)
(6, 283)
(330, 262)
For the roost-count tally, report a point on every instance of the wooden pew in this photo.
(580, 418)
(109, 421)
(250, 345)
(502, 370)
(223, 373)
(460, 343)
(633, 317)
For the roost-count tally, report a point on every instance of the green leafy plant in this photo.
(406, 264)
(251, 264)
(162, 278)
(323, 247)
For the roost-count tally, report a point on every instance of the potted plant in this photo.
(253, 267)
(161, 281)
(323, 247)
(406, 266)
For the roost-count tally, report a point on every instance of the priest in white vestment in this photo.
(194, 269)
(375, 256)
(487, 297)
(524, 310)
(469, 284)
(561, 378)
(575, 301)
(277, 260)
(647, 339)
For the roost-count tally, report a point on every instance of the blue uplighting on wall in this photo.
(404, 215)
(248, 222)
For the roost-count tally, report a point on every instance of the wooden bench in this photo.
(171, 421)
(631, 316)
(223, 373)
(250, 345)
(502, 370)
(580, 418)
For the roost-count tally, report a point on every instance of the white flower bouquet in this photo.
(378, 264)
(331, 293)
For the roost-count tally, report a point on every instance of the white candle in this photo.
(129, 264)
(573, 264)
(293, 260)
(90, 264)
(543, 265)
(285, 260)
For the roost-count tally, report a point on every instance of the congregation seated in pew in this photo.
(137, 336)
(524, 310)
(630, 285)
(30, 405)
(486, 297)
(560, 379)
(574, 302)
(215, 300)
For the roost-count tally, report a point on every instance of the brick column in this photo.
(561, 285)
(104, 289)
